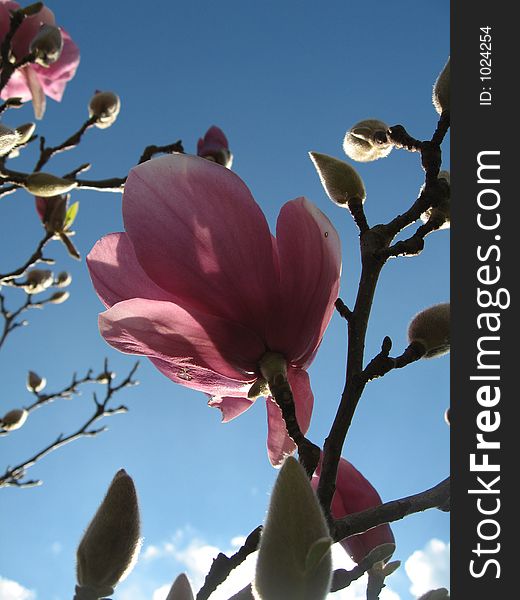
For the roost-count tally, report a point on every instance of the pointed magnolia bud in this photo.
(259, 388)
(105, 377)
(367, 141)
(13, 419)
(431, 329)
(294, 558)
(439, 594)
(35, 383)
(37, 281)
(25, 132)
(63, 279)
(109, 548)
(105, 107)
(47, 185)
(9, 138)
(441, 90)
(59, 298)
(441, 212)
(214, 146)
(341, 182)
(181, 589)
(47, 45)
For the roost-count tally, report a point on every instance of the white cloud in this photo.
(429, 568)
(12, 590)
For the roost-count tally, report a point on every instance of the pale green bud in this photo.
(181, 589)
(391, 567)
(439, 594)
(441, 90)
(9, 138)
(37, 281)
(13, 419)
(431, 329)
(367, 141)
(294, 558)
(47, 185)
(273, 367)
(63, 279)
(47, 45)
(340, 181)
(442, 211)
(109, 548)
(35, 383)
(25, 132)
(105, 107)
(59, 298)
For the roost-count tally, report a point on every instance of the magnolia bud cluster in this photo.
(367, 141)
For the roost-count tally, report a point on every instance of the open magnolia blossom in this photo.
(355, 493)
(35, 81)
(198, 284)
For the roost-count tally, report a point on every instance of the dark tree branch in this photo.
(343, 309)
(374, 245)
(435, 497)
(37, 256)
(14, 476)
(223, 565)
(309, 454)
(381, 364)
(46, 153)
(152, 150)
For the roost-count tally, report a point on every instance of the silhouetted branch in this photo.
(14, 476)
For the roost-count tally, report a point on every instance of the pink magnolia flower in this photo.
(214, 146)
(353, 494)
(34, 81)
(200, 286)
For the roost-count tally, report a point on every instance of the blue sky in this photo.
(281, 79)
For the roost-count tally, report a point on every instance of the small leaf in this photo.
(71, 215)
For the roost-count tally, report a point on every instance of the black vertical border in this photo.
(482, 128)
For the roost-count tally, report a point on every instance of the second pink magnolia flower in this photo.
(200, 286)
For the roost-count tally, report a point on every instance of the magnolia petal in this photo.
(198, 233)
(355, 493)
(230, 407)
(199, 378)
(37, 95)
(279, 444)
(117, 275)
(166, 331)
(309, 253)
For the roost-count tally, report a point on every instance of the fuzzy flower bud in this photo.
(63, 279)
(109, 548)
(25, 132)
(47, 185)
(9, 138)
(37, 281)
(181, 589)
(214, 146)
(47, 45)
(294, 558)
(441, 90)
(431, 329)
(13, 419)
(441, 213)
(35, 383)
(59, 298)
(340, 181)
(366, 141)
(105, 107)
(105, 377)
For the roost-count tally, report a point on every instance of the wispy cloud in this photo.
(12, 590)
(429, 568)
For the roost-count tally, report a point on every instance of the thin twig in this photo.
(13, 476)
(37, 256)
